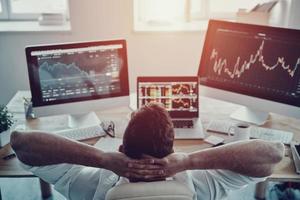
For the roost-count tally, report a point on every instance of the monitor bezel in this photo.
(173, 114)
(37, 100)
(212, 26)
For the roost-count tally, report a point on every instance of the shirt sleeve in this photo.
(217, 184)
(72, 181)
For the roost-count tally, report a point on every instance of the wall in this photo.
(294, 21)
(148, 54)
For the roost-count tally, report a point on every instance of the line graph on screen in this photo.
(220, 65)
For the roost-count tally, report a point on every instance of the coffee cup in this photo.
(239, 132)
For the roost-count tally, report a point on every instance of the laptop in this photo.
(180, 96)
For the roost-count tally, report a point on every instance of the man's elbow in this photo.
(272, 152)
(278, 152)
(16, 140)
(17, 144)
(275, 153)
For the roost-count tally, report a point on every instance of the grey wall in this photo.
(294, 21)
(148, 53)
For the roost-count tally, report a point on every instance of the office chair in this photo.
(160, 190)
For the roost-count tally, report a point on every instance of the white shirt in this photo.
(77, 182)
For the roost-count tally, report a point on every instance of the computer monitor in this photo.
(78, 78)
(255, 66)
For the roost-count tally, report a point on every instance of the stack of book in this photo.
(260, 14)
(265, 7)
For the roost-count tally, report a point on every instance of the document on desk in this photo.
(108, 144)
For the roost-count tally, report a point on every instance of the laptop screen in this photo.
(179, 95)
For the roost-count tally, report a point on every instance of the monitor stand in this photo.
(250, 115)
(83, 120)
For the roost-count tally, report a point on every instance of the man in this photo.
(80, 171)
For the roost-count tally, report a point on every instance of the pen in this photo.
(8, 157)
(219, 144)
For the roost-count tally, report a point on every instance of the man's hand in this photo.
(174, 163)
(153, 168)
(120, 164)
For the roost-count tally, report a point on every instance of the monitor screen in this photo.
(253, 60)
(64, 73)
(179, 95)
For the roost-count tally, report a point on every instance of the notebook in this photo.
(180, 96)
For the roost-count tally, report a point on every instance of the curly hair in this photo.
(150, 131)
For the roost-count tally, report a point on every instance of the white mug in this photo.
(239, 132)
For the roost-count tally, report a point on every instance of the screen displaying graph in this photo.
(176, 96)
(77, 73)
(253, 62)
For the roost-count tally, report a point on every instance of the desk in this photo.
(209, 109)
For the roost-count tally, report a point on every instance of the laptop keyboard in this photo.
(183, 123)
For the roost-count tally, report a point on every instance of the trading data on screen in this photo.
(265, 65)
(79, 72)
(175, 96)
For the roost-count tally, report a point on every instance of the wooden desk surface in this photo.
(209, 109)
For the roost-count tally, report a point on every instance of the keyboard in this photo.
(183, 123)
(222, 126)
(82, 133)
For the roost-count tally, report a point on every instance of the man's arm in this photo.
(254, 158)
(39, 149)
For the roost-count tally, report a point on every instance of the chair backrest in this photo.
(164, 190)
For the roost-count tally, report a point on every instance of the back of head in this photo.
(150, 131)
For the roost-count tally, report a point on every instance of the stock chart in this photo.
(255, 62)
(175, 96)
(72, 75)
